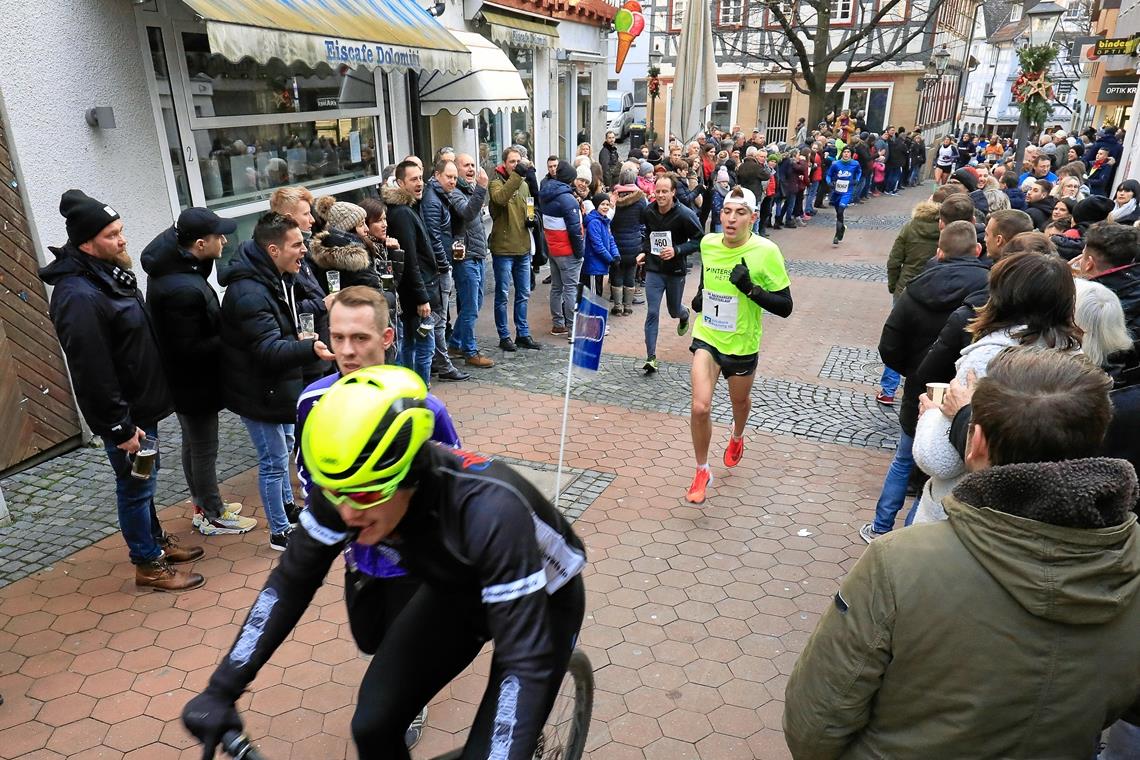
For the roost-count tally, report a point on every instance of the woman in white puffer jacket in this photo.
(1031, 303)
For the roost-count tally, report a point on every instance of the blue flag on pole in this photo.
(589, 332)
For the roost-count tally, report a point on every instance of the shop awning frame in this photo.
(510, 29)
(493, 82)
(386, 34)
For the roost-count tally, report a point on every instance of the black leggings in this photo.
(839, 208)
(622, 272)
(430, 642)
(599, 284)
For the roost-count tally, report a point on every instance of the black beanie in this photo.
(86, 217)
(967, 178)
(599, 199)
(1093, 209)
(565, 173)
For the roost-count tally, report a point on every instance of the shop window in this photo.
(169, 117)
(245, 163)
(640, 91)
(220, 87)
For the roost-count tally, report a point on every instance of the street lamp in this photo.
(1043, 20)
(988, 99)
(941, 60)
(653, 85)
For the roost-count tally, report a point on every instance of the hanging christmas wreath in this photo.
(654, 86)
(1033, 91)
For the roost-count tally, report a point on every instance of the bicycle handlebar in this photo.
(238, 746)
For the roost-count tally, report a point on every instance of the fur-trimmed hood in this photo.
(397, 196)
(629, 197)
(926, 211)
(1060, 537)
(336, 250)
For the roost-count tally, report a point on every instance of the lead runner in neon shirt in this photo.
(742, 274)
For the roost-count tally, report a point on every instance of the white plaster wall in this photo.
(61, 58)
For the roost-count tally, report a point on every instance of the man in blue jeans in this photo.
(116, 371)
(511, 209)
(263, 354)
(467, 200)
(919, 314)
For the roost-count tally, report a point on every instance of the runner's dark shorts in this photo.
(730, 364)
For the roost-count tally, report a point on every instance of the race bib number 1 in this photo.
(719, 311)
(841, 185)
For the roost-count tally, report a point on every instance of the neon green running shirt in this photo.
(731, 322)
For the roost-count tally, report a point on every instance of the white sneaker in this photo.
(228, 523)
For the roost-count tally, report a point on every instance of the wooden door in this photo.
(37, 408)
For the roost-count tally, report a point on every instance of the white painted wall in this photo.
(61, 58)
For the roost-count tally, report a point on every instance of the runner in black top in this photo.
(498, 563)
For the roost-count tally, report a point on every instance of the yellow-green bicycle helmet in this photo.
(365, 431)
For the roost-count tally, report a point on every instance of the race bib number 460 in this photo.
(719, 311)
(841, 185)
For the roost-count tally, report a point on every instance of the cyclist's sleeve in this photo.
(283, 599)
(502, 544)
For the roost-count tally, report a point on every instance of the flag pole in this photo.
(566, 406)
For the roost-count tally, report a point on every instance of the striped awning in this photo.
(390, 34)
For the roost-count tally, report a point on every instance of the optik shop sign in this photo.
(1118, 89)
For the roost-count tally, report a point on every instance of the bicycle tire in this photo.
(581, 670)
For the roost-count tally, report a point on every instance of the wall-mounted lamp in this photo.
(603, 108)
(547, 114)
(436, 10)
(102, 117)
(469, 124)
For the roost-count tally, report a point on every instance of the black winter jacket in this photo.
(1125, 283)
(938, 364)
(435, 210)
(627, 227)
(1041, 212)
(611, 164)
(262, 359)
(682, 223)
(110, 344)
(417, 285)
(187, 318)
(919, 316)
(343, 252)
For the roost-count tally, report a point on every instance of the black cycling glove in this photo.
(698, 301)
(740, 278)
(208, 717)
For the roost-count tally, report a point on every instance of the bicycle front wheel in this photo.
(564, 734)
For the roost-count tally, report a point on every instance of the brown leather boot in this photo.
(160, 576)
(175, 554)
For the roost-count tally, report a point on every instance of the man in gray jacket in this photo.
(435, 209)
(468, 200)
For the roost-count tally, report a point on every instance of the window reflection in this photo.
(245, 163)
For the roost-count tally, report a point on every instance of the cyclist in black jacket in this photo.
(497, 561)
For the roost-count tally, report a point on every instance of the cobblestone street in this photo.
(695, 615)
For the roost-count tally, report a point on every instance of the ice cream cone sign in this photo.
(629, 23)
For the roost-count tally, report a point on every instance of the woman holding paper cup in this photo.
(341, 247)
(1031, 303)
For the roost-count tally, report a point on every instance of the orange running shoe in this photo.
(701, 481)
(734, 452)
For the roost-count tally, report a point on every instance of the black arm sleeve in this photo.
(283, 599)
(778, 302)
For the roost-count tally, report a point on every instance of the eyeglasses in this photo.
(358, 499)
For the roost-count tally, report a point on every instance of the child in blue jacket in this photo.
(843, 176)
(601, 248)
